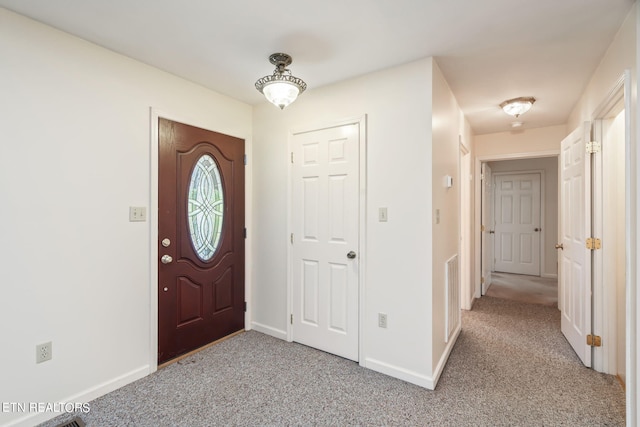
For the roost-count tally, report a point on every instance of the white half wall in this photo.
(76, 155)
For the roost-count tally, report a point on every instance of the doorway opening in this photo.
(518, 219)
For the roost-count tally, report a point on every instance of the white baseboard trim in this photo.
(549, 276)
(268, 330)
(83, 397)
(428, 382)
(400, 373)
(445, 355)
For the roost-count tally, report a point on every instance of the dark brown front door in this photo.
(200, 237)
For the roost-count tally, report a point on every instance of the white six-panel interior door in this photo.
(574, 272)
(517, 223)
(324, 242)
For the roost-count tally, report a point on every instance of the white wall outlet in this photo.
(382, 320)
(137, 213)
(44, 352)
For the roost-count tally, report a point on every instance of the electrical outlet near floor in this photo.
(43, 352)
(382, 320)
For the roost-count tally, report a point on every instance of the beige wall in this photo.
(510, 144)
(76, 155)
(448, 127)
(398, 253)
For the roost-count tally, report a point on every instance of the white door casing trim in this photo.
(361, 121)
(618, 97)
(152, 215)
(464, 246)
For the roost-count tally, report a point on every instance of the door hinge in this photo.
(481, 177)
(292, 157)
(594, 341)
(244, 232)
(245, 306)
(482, 228)
(245, 160)
(594, 147)
(482, 280)
(291, 319)
(291, 238)
(593, 243)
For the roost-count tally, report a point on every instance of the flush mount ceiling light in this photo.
(517, 106)
(281, 88)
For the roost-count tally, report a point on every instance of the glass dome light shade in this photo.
(281, 93)
(281, 88)
(517, 106)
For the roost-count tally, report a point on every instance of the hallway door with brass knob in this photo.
(200, 238)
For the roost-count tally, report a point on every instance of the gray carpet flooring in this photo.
(510, 367)
(520, 287)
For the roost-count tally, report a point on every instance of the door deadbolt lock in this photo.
(351, 255)
(166, 242)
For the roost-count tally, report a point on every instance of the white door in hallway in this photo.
(517, 219)
(574, 272)
(487, 227)
(325, 256)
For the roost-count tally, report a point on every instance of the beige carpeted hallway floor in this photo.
(519, 287)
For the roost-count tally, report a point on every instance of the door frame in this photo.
(478, 189)
(604, 309)
(465, 232)
(152, 216)
(361, 121)
(543, 206)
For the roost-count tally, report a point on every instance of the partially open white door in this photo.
(487, 227)
(325, 239)
(575, 224)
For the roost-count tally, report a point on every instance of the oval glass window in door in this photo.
(205, 207)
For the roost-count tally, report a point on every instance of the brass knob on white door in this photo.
(560, 246)
(166, 259)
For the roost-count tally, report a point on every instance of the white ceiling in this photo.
(488, 50)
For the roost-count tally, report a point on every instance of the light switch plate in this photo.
(137, 213)
(382, 215)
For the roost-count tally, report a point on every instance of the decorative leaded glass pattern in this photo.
(205, 207)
